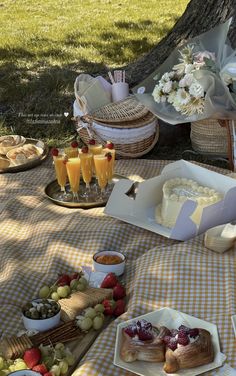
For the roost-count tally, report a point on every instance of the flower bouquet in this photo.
(197, 81)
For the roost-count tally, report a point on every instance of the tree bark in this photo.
(199, 17)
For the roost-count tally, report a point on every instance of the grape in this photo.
(48, 361)
(99, 308)
(55, 369)
(90, 312)
(11, 368)
(85, 324)
(74, 283)
(80, 287)
(2, 363)
(58, 354)
(63, 366)
(62, 291)
(83, 281)
(4, 372)
(44, 292)
(68, 289)
(53, 288)
(70, 358)
(20, 365)
(55, 296)
(98, 322)
(59, 346)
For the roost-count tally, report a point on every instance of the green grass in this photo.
(44, 45)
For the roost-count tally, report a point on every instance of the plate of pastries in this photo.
(167, 342)
(18, 153)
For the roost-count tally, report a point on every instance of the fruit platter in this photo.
(61, 324)
(18, 153)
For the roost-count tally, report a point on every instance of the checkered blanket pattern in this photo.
(39, 240)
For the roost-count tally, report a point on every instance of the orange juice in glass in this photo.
(101, 168)
(86, 163)
(72, 150)
(109, 150)
(59, 160)
(73, 172)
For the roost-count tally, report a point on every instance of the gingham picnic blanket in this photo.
(40, 239)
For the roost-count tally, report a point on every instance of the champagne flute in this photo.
(110, 151)
(101, 167)
(59, 160)
(73, 171)
(86, 163)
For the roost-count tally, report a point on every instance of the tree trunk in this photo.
(199, 17)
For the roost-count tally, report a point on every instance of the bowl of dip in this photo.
(109, 262)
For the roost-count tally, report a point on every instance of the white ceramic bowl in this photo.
(24, 372)
(42, 324)
(117, 269)
(217, 242)
(20, 140)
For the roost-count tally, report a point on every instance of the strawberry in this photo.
(32, 357)
(109, 306)
(48, 374)
(84, 149)
(119, 308)
(109, 281)
(63, 280)
(92, 141)
(74, 144)
(41, 368)
(109, 145)
(54, 152)
(109, 156)
(118, 292)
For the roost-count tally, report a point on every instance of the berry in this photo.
(92, 142)
(131, 330)
(172, 344)
(183, 340)
(184, 328)
(41, 368)
(109, 281)
(109, 306)
(167, 339)
(174, 332)
(74, 144)
(144, 324)
(109, 156)
(54, 152)
(109, 145)
(64, 280)
(32, 357)
(182, 333)
(119, 308)
(48, 374)
(145, 335)
(193, 332)
(84, 149)
(118, 292)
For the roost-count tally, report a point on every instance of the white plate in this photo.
(172, 319)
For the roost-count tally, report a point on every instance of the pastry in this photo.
(9, 142)
(176, 192)
(187, 348)
(143, 341)
(23, 154)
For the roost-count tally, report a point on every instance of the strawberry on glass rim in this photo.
(84, 149)
(54, 152)
(109, 156)
(74, 144)
(92, 141)
(109, 145)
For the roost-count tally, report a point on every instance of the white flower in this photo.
(167, 87)
(182, 96)
(200, 56)
(188, 79)
(196, 90)
(171, 97)
(165, 77)
(182, 82)
(157, 94)
(189, 68)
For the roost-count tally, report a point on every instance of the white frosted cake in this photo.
(176, 192)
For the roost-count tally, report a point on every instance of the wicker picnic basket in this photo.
(208, 137)
(132, 128)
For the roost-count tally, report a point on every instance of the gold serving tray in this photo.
(53, 188)
(33, 163)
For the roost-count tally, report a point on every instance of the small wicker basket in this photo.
(132, 128)
(208, 137)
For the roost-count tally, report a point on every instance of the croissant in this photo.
(192, 355)
(152, 350)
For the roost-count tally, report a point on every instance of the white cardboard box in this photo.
(140, 210)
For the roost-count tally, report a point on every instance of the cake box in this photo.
(139, 208)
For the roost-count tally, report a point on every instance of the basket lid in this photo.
(138, 123)
(128, 109)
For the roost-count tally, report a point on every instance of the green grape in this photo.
(74, 283)
(53, 288)
(83, 281)
(70, 358)
(63, 366)
(11, 368)
(55, 369)
(98, 322)
(20, 365)
(80, 287)
(9, 362)
(68, 289)
(90, 312)
(44, 292)
(55, 296)
(59, 346)
(62, 291)
(4, 372)
(48, 361)
(99, 308)
(85, 324)
(2, 363)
